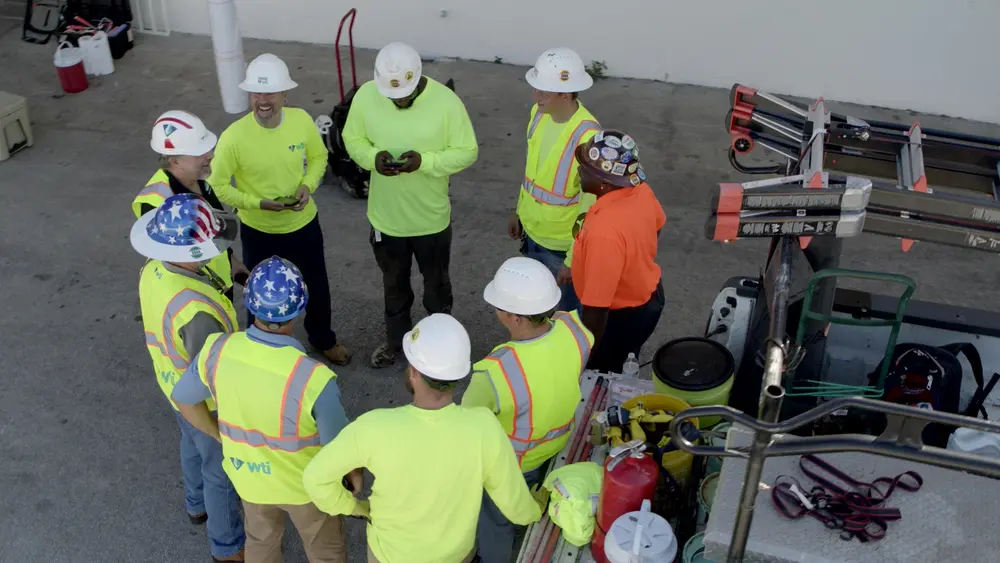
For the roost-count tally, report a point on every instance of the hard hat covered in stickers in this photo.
(612, 156)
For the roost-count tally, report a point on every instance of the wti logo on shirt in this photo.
(300, 146)
(253, 467)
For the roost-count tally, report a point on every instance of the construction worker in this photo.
(550, 199)
(414, 133)
(276, 408)
(266, 151)
(431, 459)
(614, 255)
(181, 305)
(531, 383)
(186, 148)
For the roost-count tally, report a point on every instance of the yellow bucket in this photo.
(678, 463)
(696, 370)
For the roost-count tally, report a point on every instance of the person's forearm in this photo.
(596, 320)
(316, 161)
(323, 480)
(199, 417)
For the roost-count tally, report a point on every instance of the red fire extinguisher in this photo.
(629, 477)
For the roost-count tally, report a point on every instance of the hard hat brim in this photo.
(150, 248)
(575, 85)
(204, 147)
(258, 89)
(397, 93)
(492, 296)
(454, 374)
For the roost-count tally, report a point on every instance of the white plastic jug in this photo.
(97, 54)
(640, 537)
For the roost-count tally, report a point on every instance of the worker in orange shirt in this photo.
(614, 253)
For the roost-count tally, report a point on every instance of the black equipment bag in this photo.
(931, 377)
(353, 178)
(42, 20)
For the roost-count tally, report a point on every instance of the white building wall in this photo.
(936, 56)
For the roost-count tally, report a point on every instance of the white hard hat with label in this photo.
(559, 70)
(397, 70)
(179, 133)
(439, 348)
(267, 74)
(523, 286)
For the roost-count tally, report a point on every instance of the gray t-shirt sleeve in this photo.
(197, 330)
(189, 389)
(329, 413)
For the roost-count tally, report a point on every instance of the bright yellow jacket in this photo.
(533, 387)
(438, 127)
(169, 301)
(269, 164)
(268, 432)
(157, 191)
(550, 198)
(431, 468)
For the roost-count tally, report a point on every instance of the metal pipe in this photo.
(777, 127)
(782, 103)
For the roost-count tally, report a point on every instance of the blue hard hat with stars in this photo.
(275, 291)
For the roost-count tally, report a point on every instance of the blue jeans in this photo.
(207, 489)
(553, 260)
(495, 535)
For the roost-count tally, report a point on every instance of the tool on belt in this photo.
(840, 502)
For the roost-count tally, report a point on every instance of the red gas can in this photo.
(626, 483)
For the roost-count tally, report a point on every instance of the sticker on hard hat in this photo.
(613, 142)
(599, 137)
(618, 170)
(634, 180)
(635, 153)
(595, 153)
(414, 334)
(394, 83)
(626, 157)
(641, 174)
(409, 75)
(261, 80)
(632, 167)
(196, 252)
(607, 166)
(628, 142)
(564, 75)
(609, 153)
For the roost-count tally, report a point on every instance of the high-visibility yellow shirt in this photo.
(157, 190)
(265, 396)
(169, 301)
(269, 164)
(533, 386)
(438, 127)
(550, 198)
(431, 468)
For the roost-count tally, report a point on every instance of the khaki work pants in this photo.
(322, 534)
(371, 557)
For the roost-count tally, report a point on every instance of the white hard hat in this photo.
(179, 133)
(439, 348)
(559, 70)
(267, 74)
(523, 286)
(397, 70)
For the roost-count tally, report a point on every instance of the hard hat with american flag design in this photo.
(184, 229)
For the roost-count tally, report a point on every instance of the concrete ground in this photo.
(88, 454)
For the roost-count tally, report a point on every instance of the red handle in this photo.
(352, 13)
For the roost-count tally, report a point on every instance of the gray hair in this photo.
(164, 161)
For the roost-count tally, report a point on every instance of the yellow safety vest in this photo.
(157, 191)
(548, 204)
(537, 387)
(169, 301)
(265, 396)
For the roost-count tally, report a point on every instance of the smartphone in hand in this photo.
(288, 201)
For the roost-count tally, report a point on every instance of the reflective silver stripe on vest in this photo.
(520, 436)
(578, 334)
(212, 362)
(544, 196)
(152, 341)
(534, 123)
(158, 188)
(257, 439)
(561, 181)
(174, 307)
(291, 407)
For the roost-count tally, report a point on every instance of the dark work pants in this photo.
(394, 256)
(495, 535)
(304, 248)
(627, 330)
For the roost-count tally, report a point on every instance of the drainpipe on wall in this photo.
(227, 43)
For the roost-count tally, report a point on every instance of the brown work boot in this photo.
(338, 355)
(237, 557)
(198, 519)
(383, 357)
